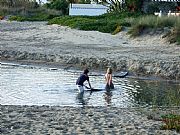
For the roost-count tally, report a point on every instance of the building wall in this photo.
(90, 10)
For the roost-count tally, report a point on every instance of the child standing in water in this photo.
(80, 81)
(108, 77)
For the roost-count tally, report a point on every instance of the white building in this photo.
(87, 9)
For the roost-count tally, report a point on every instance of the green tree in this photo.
(121, 5)
(84, 1)
(61, 5)
(134, 5)
(114, 5)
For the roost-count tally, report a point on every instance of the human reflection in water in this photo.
(107, 96)
(81, 100)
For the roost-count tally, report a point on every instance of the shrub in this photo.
(172, 121)
(35, 15)
(177, 32)
(1, 17)
(154, 22)
(16, 18)
(174, 36)
(61, 5)
(83, 23)
(117, 30)
(104, 23)
(163, 6)
(15, 7)
(134, 5)
(136, 30)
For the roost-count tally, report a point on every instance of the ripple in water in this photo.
(28, 85)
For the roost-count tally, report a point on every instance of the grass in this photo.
(35, 14)
(107, 23)
(37, 17)
(114, 22)
(154, 22)
(171, 121)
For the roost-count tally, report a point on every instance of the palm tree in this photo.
(40, 2)
(120, 5)
(114, 5)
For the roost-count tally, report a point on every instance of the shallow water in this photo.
(33, 85)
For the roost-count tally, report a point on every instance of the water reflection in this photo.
(81, 99)
(155, 93)
(41, 86)
(108, 96)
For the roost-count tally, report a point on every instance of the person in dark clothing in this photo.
(82, 78)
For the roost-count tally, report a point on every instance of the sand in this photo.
(46, 120)
(149, 54)
(40, 42)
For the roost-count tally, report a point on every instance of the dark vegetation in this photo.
(106, 23)
(171, 122)
(28, 10)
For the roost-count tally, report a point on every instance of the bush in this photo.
(154, 22)
(136, 30)
(117, 30)
(82, 23)
(163, 6)
(36, 15)
(61, 5)
(106, 23)
(172, 121)
(1, 17)
(16, 18)
(15, 7)
(134, 5)
(174, 36)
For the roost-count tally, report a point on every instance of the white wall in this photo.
(89, 11)
(43, 1)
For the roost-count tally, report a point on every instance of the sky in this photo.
(44, 1)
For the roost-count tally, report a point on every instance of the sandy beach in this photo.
(148, 54)
(46, 120)
(37, 42)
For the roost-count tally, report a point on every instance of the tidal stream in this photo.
(35, 85)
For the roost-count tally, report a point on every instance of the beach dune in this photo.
(38, 42)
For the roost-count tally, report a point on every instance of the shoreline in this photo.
(138, 69)
(95, 72)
